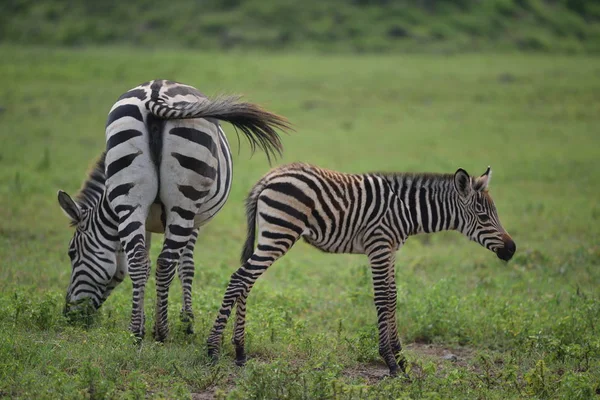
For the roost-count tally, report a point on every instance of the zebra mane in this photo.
(426, 179)
(429, 177)
(90, 193)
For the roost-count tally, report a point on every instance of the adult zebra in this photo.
(370, 214)
(89, 196)
(168, 169)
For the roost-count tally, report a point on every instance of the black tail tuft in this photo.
(258, 125)
(251, 201)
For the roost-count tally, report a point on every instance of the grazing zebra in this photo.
(370, 214)
(89, 195)
(168, 169)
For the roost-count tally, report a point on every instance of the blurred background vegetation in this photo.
(558, 26)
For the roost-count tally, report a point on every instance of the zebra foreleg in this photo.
(381, 259)
(395, 342)
(392, 323)
(186, 275)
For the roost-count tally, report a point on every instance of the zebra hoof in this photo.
(213, 356)
(240, 356)
(160, 335)
(399, 373)
(186, 316)
(189, 330)
(402, 363)
(137, 340)
(137, 334)
(240, 362)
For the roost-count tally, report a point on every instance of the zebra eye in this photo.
(484, 217)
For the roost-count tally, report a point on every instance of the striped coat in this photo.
(370, 214)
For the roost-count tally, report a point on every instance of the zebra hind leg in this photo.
(131, 185)
(268, 250)
(131, 233)
(188, 172)
(186, 271)
(235, 289)
(132, 237)
(177, 235)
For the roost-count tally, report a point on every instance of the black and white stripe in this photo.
(370, 214)
(167, 168)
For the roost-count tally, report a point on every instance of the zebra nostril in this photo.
(505, 253)
(511, 247)
(509, 244)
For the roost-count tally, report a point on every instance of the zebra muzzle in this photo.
(506, 252)
(79, 310)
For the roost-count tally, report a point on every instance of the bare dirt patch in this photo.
(210, 393)
(204, 395)
(456, 355)
(372, 373)
(226, 385)
(441, 355)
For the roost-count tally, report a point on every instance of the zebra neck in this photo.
(105, 222)
(430, 202)
(92, 198)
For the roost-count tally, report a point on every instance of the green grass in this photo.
(558, 26)
(524, 329)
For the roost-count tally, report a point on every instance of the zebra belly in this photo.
(348, 246)
(154, 222)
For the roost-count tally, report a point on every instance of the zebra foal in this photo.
(167, 169)
(370, 214)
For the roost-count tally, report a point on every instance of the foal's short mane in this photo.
(428, 176)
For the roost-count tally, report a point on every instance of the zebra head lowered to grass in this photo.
(85, 300)
(370, 214)
(167, 168)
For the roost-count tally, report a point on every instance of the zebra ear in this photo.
(483, 181)
(462, 183)
(69, 207)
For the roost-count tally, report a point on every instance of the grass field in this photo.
(526, 329)
(556, 26)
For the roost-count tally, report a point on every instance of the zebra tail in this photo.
(258, 125)
(251, 201)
